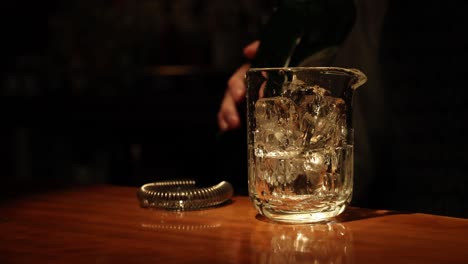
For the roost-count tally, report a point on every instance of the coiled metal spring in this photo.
(183, 195)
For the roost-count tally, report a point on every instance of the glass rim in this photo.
(360, 77)
(299, 68)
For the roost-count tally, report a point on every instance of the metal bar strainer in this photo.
(183, 195)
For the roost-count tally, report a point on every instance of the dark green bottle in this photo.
(304, 32)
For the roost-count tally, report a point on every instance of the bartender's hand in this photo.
(228, 116)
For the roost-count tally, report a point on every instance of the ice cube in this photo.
(298, 91)
(322, 121)
(276, 122)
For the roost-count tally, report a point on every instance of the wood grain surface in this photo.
(105, 224)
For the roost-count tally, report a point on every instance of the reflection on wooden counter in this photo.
(105, 224)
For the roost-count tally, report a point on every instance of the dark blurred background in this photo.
(116, 91)
(127, 92)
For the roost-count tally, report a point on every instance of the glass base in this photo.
(301, 217)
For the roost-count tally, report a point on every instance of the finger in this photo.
(251, 50)
(236, 84)
(228, 117)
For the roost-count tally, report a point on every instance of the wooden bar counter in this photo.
(105, 224)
